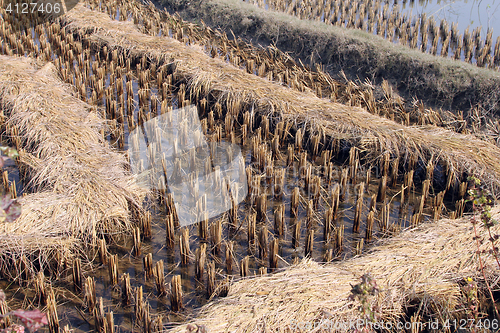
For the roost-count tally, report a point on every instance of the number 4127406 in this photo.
(472, 323)
(33, 7)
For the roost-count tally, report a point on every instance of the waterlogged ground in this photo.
(466, 13)
(72, 311)
(477, 14)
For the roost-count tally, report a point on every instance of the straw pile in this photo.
(420, 266)
(81, 187)
(237, 89)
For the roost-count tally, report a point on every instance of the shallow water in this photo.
(194, 291)
(71, 311)
(472, 14)
(480, 14)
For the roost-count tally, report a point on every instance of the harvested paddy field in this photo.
(421, 269)
(174, 179)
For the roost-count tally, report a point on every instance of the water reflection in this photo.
(472, 14)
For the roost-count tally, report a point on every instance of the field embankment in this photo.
(439, 82)
(80, 188)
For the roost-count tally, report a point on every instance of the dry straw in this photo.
(81, 186)
(419, 266)
(372, 134)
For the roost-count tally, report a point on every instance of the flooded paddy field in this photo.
(465, 14)
(460, 29)
(324, 181)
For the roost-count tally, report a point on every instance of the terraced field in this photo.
(440, 82)
(334, 178)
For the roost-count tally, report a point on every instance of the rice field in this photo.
(336, 177)
(420, 32)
